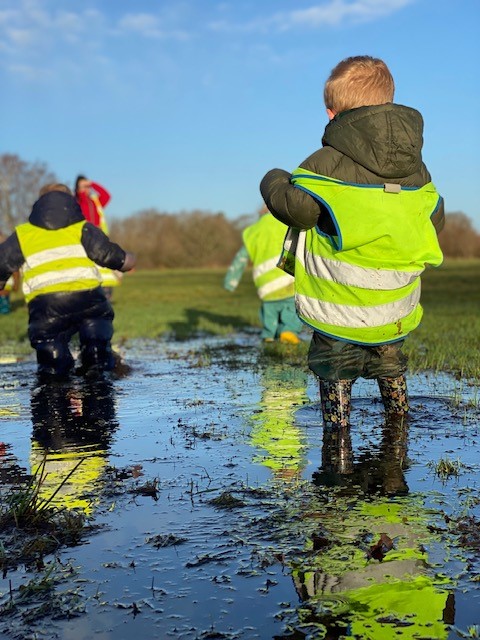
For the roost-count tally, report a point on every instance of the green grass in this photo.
(184, 303)
(449, 335)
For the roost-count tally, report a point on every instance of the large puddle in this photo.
(218, 508)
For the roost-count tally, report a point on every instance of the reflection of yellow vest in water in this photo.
(378, 597)
(109, 277)
(79, 491)
(274, 431)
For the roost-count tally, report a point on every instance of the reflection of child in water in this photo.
(370, 573)
(280, 443)
(72, 424)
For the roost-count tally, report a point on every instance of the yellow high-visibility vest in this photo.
(263, 241)
(362, 283)
(55, 260)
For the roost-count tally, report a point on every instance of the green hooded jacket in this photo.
(367, 145)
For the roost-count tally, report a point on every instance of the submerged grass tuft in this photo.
(471, 632)
(25, 509)
(32, 527)
(445, 468)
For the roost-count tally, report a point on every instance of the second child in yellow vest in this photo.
(92, 198)
(262, 246)
(363, 214)
(59, 252)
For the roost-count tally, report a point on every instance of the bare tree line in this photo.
(20, 183)
(185, 239)
(459, 239)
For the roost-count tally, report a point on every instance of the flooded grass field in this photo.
(199, 497)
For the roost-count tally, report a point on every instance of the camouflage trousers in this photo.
(333, 360)
(338, 364)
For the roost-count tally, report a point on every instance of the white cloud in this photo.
(68, 21)
(148, 25)
(338, 11)
(20, 37)
(30, 72)
(144, 24)
(325, 14)
(30, 27)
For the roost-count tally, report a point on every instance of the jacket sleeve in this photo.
(103, 194)
(287, 203)
(100, 249)
(235, 270)
(11, 258)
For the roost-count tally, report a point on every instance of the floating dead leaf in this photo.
(379, 550)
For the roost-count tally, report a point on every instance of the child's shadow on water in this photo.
(193, 321)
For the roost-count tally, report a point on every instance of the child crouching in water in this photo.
(58, 252)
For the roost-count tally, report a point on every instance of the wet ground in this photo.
(216, 507)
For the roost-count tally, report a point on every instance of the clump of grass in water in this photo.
(32, 526)
(39, 598)
(227, 501)
(23, 507)
(471, 632)
(445, 468)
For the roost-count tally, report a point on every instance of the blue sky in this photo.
(185, 105)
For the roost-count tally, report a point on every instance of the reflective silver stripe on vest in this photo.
(356, 317)
(291, 240)
(58, 253)
(265, 267)
(275, 285)
(52, 278)
(355, 276)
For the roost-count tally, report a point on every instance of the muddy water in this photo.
(218, 508)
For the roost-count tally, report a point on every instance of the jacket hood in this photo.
(386, 139)
(55, 210)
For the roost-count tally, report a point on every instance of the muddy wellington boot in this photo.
(394, 396)
(335, 399)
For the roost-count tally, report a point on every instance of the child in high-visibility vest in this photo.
(262, 246)
(92, 198)
(58, 252)
(364, 216)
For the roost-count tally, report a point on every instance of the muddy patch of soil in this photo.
(215, 505)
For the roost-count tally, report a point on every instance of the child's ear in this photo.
(331, 114)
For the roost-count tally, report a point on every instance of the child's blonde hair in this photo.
(55, 186)
(358, 81)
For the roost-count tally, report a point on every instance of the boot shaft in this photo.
(394, 395)
(335, 399)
